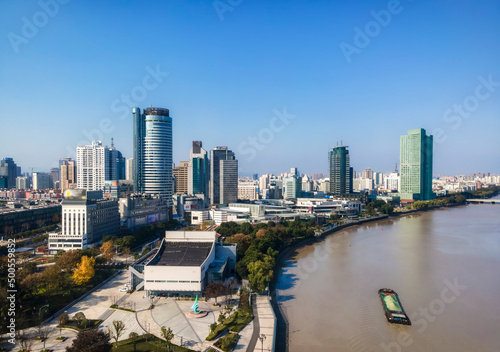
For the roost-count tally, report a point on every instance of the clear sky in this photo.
(278, 82)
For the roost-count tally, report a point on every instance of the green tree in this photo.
(133, 336)
(167, 335)
(260, 273)
(116, 331)
(91, 341)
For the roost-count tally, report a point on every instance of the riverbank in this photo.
(282, 325)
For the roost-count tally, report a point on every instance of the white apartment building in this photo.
(248, 190)
(95, 164)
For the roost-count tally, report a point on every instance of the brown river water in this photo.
(444, 264)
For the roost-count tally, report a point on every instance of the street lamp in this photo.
(262, 337)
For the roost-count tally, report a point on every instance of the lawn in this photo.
(146, 343)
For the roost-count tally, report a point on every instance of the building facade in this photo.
(95, 164)
(341, 173)
(84, 221)
(41, 180)
(9, 169)
(223, 176)
(416, 153)
(153, 152)
(181, 177)
(140, 210)
(198, 170)
(67, 173)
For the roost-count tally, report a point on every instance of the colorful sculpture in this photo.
(195, 307)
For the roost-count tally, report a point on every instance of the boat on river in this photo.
(393, 308)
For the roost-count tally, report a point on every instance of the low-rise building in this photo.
(142, 209)
(84, 221)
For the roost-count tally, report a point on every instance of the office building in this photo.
(23, 182)
(84, 221)
(41, 180)
(223, 176)
(181, 177)
(292, 185)
(416, 153)
(198, 170)
(129, 169)
(120, 166)
(153, 152)
(141, 209)
(248, 190)
(67, 173)
(341, 173)
(10, 171)
(95, 164)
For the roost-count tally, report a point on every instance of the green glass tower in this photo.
(341, 172)
(416, 166)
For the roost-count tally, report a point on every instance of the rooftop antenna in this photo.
(396, 170)
(337, 141)
(112, 143)
(341, 143)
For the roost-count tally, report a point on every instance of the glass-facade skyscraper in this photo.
(416, 153)
(152, 165)
(341, 172)
(198, 170)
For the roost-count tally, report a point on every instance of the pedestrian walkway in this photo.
(266, 324)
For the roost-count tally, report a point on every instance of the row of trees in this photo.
(259, 245)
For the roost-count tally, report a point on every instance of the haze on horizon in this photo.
(295, 77)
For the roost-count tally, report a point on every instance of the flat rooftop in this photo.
(184, 253)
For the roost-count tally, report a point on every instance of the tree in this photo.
(55, 218)
(68, 260)
(44, 331)
(243, 242)
(78, 317)
(134, 336)
(108, 250)
(63, 320)
(261, 233)
(24, 339)
(167, 335)
(214, 290)
(84, 271)
(91, 341)
(117, 331)
(260, 273)
(126, 252)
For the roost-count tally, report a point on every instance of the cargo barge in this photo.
(394, 311)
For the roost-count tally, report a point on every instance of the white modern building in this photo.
(248, 190)
(391, 182)
(184, 264)
(84, 221)
(95, 164)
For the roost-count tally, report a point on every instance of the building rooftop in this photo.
(184, 253)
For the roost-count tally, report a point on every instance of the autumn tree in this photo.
(69, 260)
(242, 241)
(84, 271)
(261, 233)
(108, 250)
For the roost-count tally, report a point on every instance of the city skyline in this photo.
(325, 79)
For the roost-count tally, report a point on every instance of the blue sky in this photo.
(228, 70)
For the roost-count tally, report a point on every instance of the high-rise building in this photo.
(54, 174)
(416, 152)
(341, 172)
(129, 169)
(95, 164)
(120, 166)
(9, 169)
(67, 173)
(181, 177)
(153, 152)
(198, 170)
(367, 173)
(41, 180)
(23, 182)
(292, 186)
(223, 176)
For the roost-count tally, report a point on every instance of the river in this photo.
(444, 264)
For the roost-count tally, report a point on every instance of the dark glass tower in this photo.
(341, 172)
